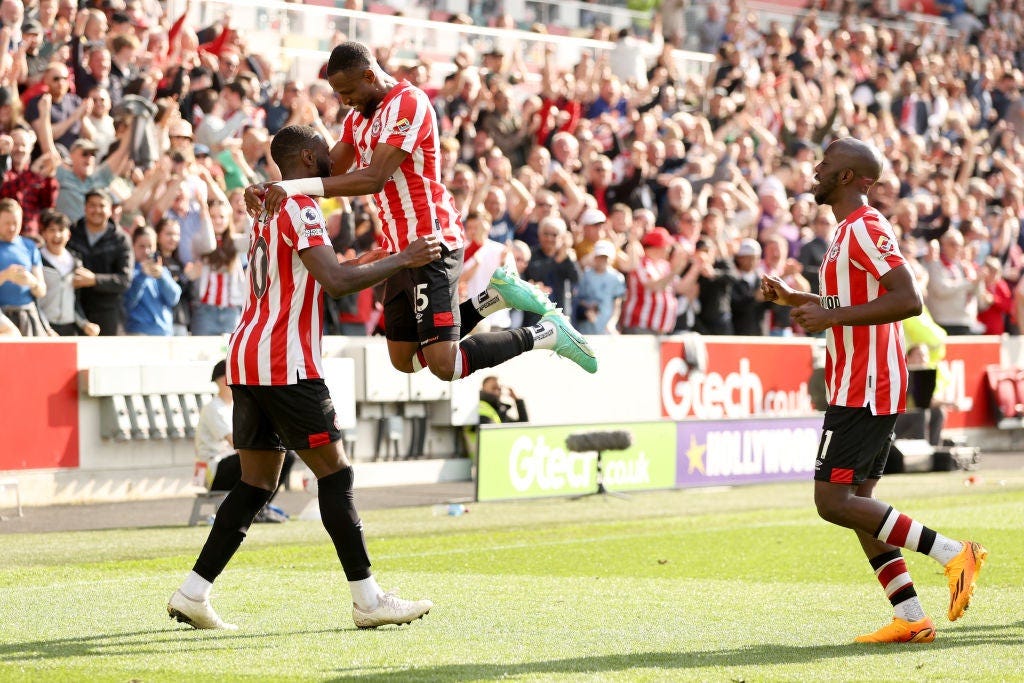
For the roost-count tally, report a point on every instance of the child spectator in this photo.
(21, 274)
(150, 300)
(60, 304)
(600, 293)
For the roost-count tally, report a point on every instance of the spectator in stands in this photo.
(10, 111)
(217, 463)
(80, 175)
(995, 300)
(953, 287)
(553, 266)
(776, 262)
(150, 299)
(219, 273)
(590, 229)
(812, 252)
(106, 270)
(168, 237)
(32, 185)
(748, 304)
(60, 304)
(600, 293)
(21, 274)
(58, 107)
(649, 305)
(481, 256)
(8, 328)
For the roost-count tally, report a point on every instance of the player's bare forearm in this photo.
(901, 300)
(339, 279)
(354, 183)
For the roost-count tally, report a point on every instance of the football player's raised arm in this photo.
(370, 180)
(343, 155)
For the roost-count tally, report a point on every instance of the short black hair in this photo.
(349, 55)
(101, 193)
(289, 142)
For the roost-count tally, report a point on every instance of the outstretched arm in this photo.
(339, 279)
(370, 180)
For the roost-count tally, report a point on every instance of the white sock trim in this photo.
(365, 593)
(196, 587)
(544, 335)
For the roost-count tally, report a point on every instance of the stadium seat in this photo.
(12, 485)
(205, 499)
(1006, 386)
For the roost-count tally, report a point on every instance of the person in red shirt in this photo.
(391, 136)
(280, 399)
(33, 186)
(866, 288)
(995, 301)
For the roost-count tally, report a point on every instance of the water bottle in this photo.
(449, 509)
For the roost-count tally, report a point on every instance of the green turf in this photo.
(743, 584)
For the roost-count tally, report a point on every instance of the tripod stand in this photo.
(600, 442)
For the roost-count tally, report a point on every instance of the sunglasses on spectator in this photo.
(57, 79)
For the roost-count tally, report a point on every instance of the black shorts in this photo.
(289, 417)
(422, 304)
(854, 445)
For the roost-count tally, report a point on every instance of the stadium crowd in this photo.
(643, 199)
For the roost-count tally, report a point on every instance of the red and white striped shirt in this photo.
(224, 286)
(643, 307)
(866, 364)
(277, 340)
(413, 202)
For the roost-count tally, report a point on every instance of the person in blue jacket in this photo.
(151, 297)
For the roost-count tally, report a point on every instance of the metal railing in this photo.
(297, 38)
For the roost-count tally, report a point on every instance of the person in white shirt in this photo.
(482, 256)
(217, 464)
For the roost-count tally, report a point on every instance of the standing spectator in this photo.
(106, 270)
(776, 263)
(58, 106)
(482, 256)
(220, 274)
(649, 306)
(748, 304)
(33, 186)
(995, 300)
(151, 297)
(812, 252)
(716, 278)
(168, 237)
(21, 274)
(82, 175)
(60, 304)
(953, 287)
(600, 293)
(553, 265)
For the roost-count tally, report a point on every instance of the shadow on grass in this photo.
(149, 642)
(751, 656)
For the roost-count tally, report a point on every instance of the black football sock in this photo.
(229, 528)
(340, 518)
(487, 349)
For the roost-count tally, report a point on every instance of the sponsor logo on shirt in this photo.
(885, 245)
(402, 126)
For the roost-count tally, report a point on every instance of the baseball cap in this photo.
(749, 247)
(85, 145)
(219, 370)
(592, 217)
(658, 237)
(180, 129)
(604, 248)
(201, 150)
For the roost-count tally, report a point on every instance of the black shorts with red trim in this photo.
(854, 445)
(287, 417)
(422, 304)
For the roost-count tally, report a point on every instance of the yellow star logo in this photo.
(695, 454)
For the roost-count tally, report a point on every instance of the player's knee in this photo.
(402, 365)
(830, 508)
(443, 369)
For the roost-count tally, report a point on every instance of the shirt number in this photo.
(259, 268)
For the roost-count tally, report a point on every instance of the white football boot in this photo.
(196, 613)
(391, 610)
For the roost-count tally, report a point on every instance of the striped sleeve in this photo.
(874, 247)
(348, 128)
(306, 224)
(408, 122)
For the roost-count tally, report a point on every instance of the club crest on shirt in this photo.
(885, 245)
(833, 252)
(310, 216)
(375, 128)
(402, 126)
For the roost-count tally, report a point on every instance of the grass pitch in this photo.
(744, 584)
